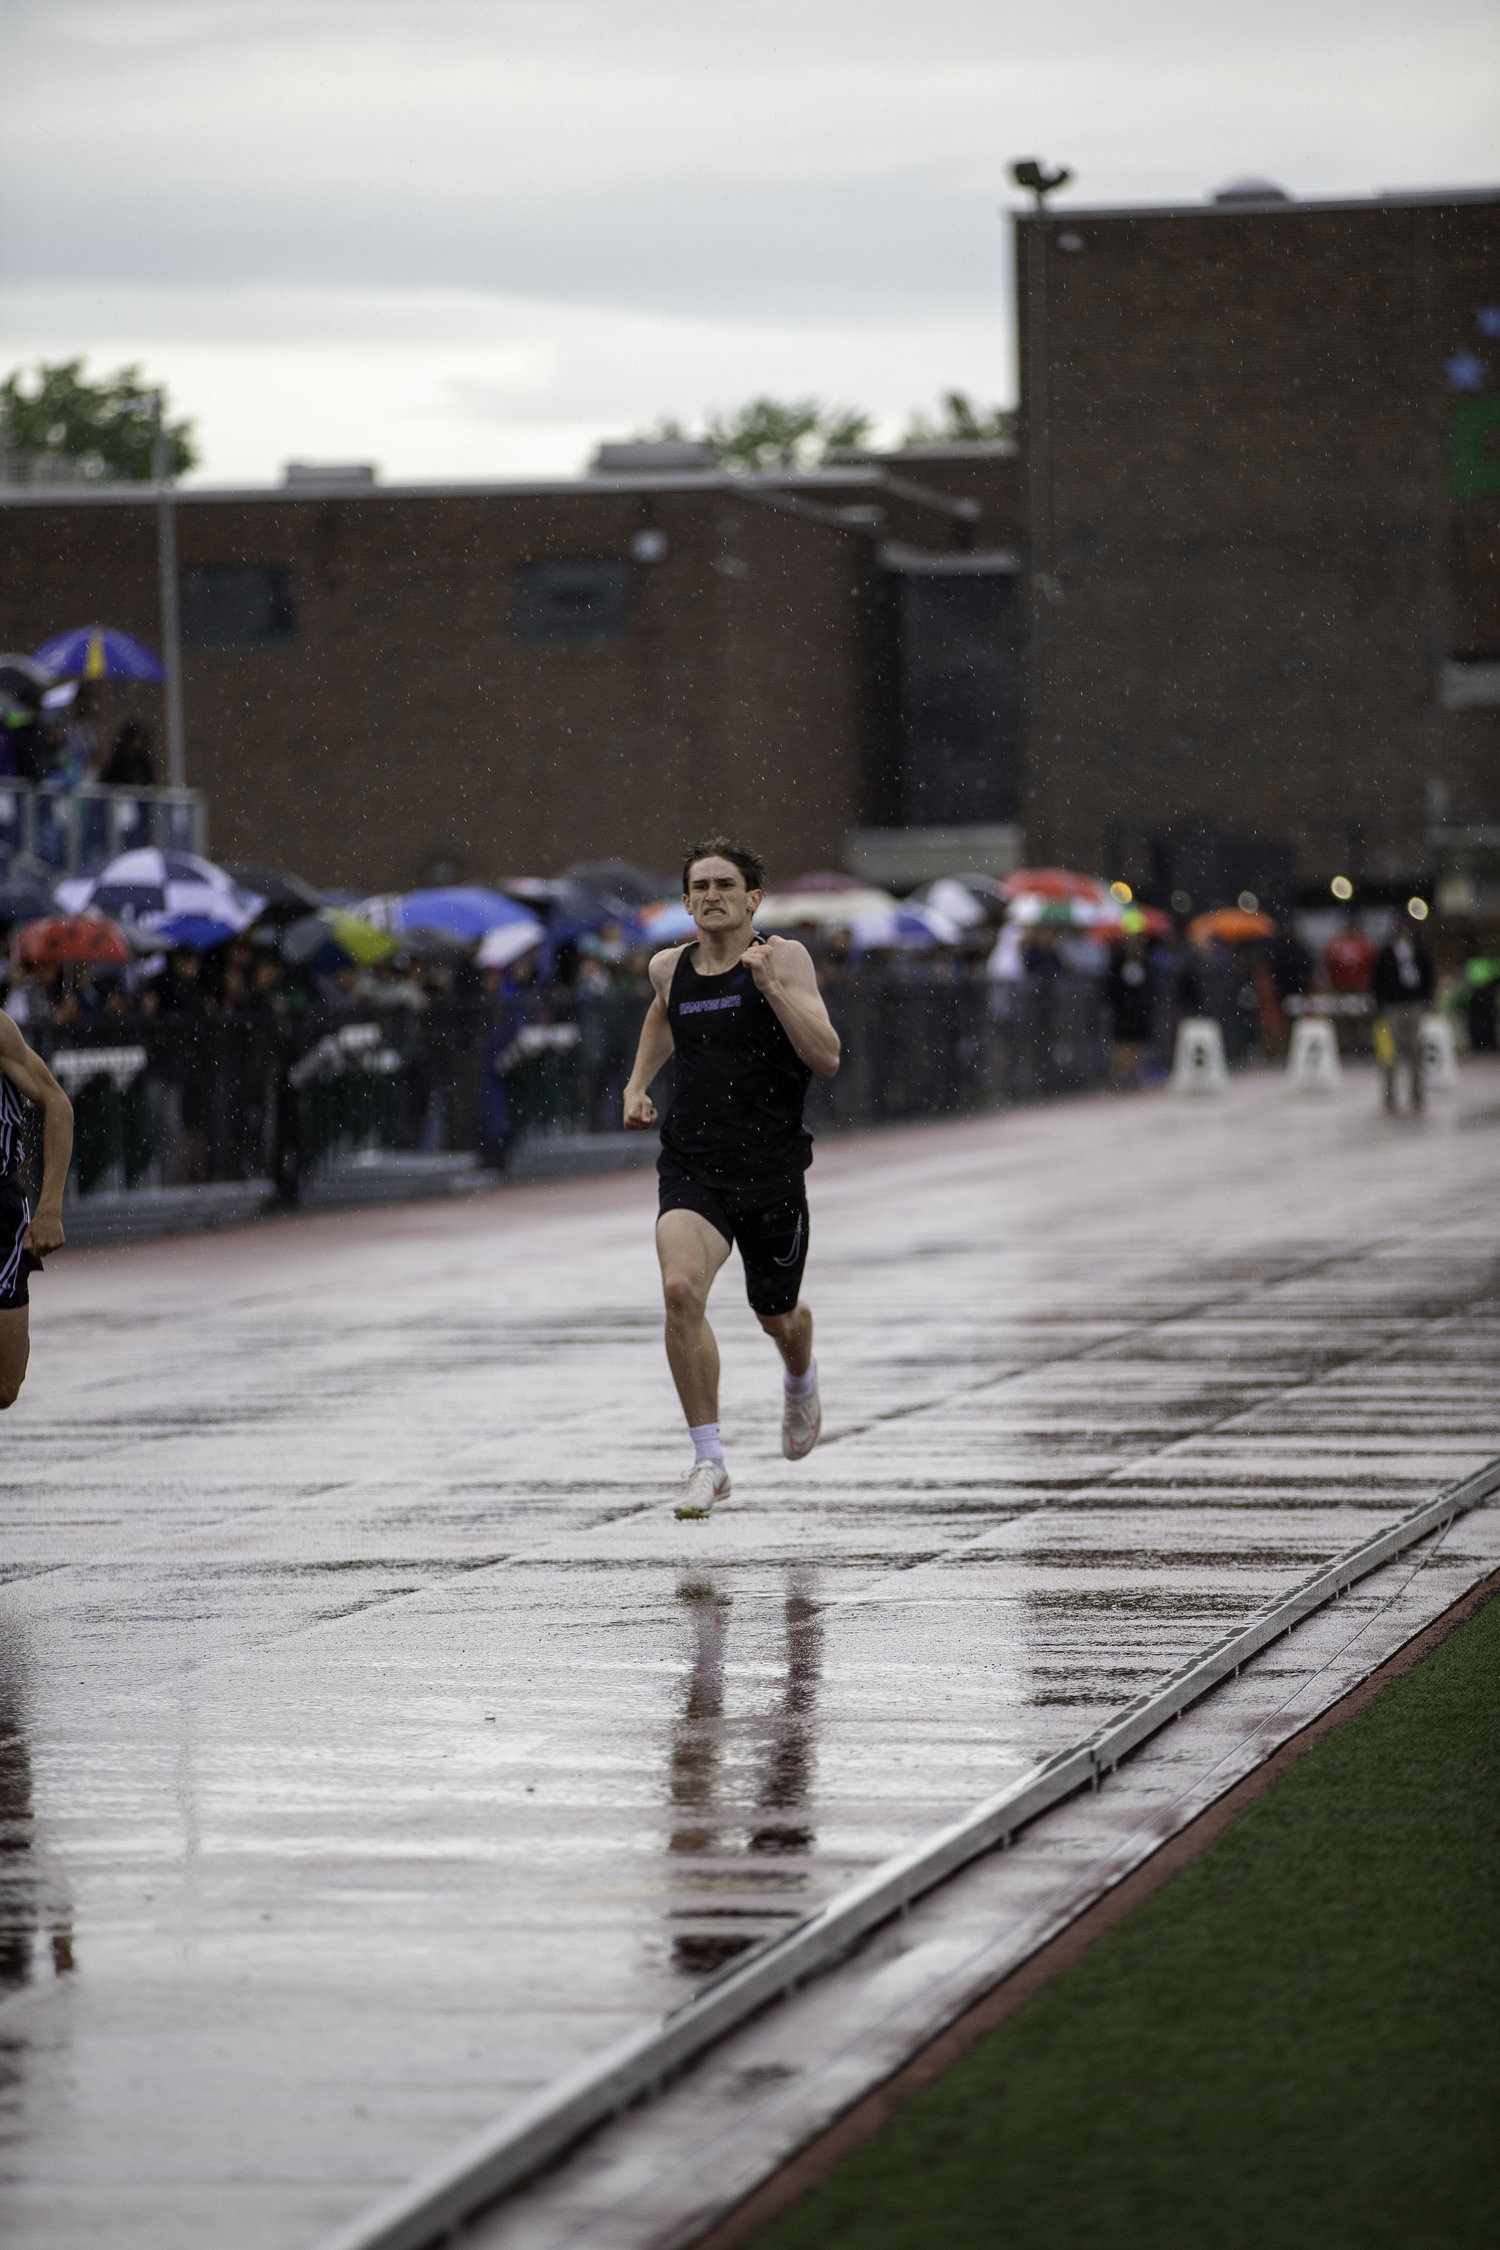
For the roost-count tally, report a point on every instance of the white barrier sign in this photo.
(1198, 1066)
(1313, 1065)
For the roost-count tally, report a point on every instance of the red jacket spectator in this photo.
(1349, 961)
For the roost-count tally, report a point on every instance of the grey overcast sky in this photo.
(469, 237)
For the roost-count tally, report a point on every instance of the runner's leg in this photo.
(15, 1350)
(792, 1334)
(773, 1244)
(691, 1252)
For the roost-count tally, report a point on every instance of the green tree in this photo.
(768, 434)
(108, 427)
(960, 422)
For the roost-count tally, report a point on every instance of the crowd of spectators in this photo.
(55, 738)
(481, 1057)
(1256, 990)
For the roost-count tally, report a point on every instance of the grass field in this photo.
(1294, 2045)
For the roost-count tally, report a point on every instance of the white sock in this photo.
(801, 1386)
(706, 1446)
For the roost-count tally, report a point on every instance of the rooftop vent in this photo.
(1251, 191)
(651, 457)
(329, 472)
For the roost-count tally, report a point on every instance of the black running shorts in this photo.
(771, 1236)
(16, 1261)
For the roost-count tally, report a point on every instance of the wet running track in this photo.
(382, 1746)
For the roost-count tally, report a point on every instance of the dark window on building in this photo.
(959, 663)
(237, 605)
(1209, 868)
(571, 601)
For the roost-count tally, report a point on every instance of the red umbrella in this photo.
(74, 937)
(1059, 883)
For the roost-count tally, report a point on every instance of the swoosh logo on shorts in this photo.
(791, 1257)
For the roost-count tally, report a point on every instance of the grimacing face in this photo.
(716, 896)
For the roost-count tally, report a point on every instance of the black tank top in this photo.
(736, 1114)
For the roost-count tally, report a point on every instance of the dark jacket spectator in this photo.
(130, 764)
(1212, 981)
(1290, 964)
(24, 748)
(1477, 996)
(1403, 971)
(1129, 992)
(1039, 954)
(181, 989)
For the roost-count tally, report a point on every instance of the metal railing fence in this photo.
(68, 829)
(174, 1099)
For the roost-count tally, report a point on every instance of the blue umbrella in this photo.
(197, 932)
(464, 912)
(576, 910)
(98, 652)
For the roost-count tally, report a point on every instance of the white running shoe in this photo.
(705, 1482)
(801, 1424)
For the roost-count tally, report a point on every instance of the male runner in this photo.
(25, 1240)
(747, 1023)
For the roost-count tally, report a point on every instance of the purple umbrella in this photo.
(99, 652)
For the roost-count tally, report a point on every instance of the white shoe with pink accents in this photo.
(705, 1482)
(801, 1424)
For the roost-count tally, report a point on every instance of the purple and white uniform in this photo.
(16, 1261)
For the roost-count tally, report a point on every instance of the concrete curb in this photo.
(820, 2156)
(492, 2162)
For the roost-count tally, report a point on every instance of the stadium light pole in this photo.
(1031, 173)
(166, 572)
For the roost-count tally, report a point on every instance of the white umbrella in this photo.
(783, 910)
(906, 925)
(150, 887)
(498, 948)
(956, 900)
(667, 924)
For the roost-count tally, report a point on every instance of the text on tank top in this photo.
(736, 1110)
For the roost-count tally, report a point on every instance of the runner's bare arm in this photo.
(30, 1076)
(784, 972)
(656, 1044)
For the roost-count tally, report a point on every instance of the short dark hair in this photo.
(724, 847)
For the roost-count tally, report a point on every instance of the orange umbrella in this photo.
(74, 937)
(1233, 924)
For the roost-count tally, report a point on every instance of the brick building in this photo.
(1263, 506)
(380, 682)
(1259, 497)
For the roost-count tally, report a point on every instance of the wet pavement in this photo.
(384, 1746)
(703, 2159)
